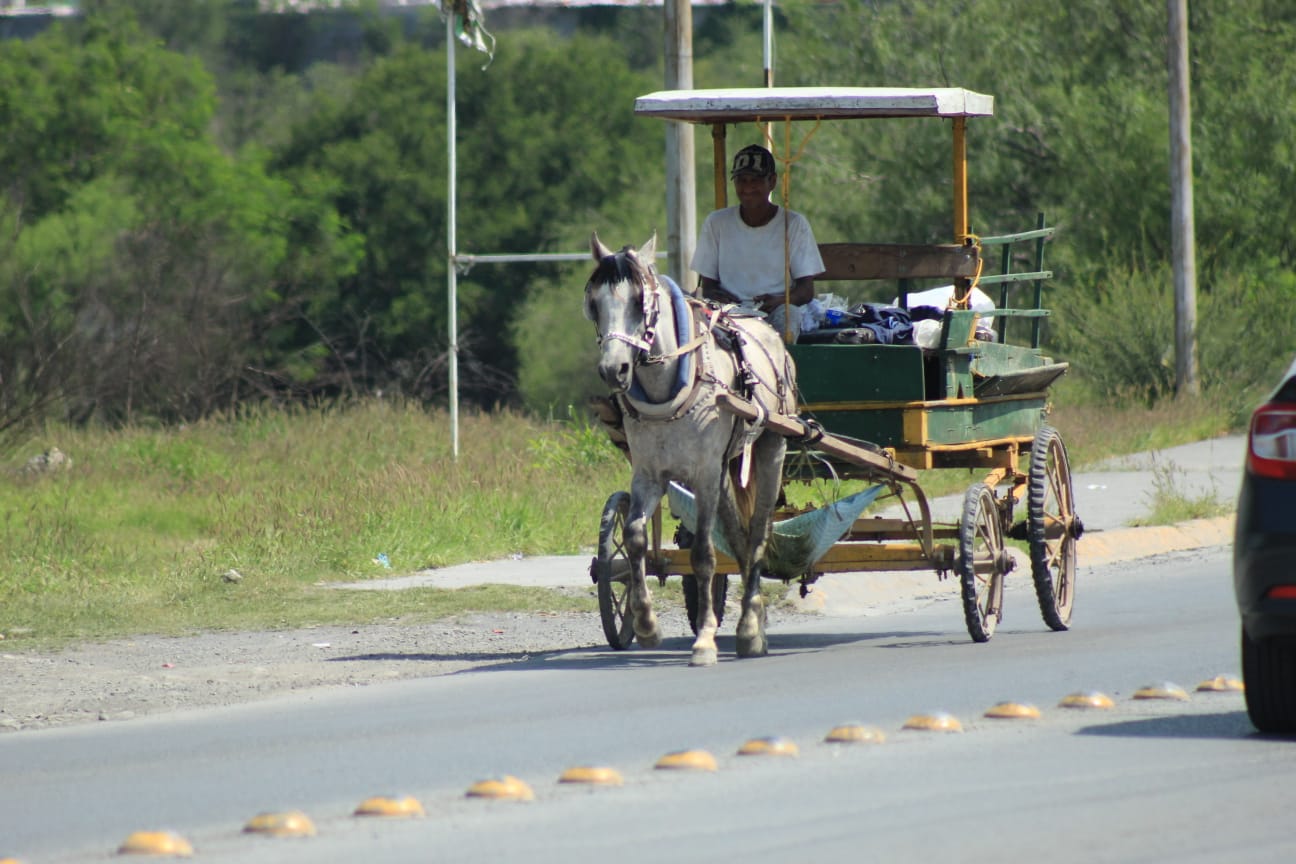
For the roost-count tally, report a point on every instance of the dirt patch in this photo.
(129, 678)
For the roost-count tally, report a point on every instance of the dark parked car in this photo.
(1264, 562)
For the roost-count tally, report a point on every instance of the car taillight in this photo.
(1271, 445)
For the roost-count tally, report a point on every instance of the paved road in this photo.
(1182, 780)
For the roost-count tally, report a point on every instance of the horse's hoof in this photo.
(649, 640)
(754, 647)
(703, 657)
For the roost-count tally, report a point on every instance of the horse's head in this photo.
(621, 300)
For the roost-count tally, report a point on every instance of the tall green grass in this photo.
(138, 534)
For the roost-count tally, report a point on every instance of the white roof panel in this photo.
(811, 103)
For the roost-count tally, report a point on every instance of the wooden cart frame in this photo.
(884, 412)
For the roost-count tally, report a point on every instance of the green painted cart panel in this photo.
(984, 420)
(859, 373)
(903, 397)
(882, 427)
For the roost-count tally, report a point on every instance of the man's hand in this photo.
(711, 290)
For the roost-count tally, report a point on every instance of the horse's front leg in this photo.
(702, 558)
(644, 499)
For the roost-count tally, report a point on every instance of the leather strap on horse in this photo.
(703, 323)
(688, 397)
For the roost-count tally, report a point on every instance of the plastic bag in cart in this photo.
(795, 544)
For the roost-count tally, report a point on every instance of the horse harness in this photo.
(714, 327)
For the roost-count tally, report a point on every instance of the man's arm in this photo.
(711, 290)
(802, 293)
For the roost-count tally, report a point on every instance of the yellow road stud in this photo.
(592, 775)
(1164, 690)
(293, 823)
(504, 788)
(768, 747)
(687, 760)
(390, 807)
(938, 722)
(1221, 684)
(854, 733)
(1086, 699)
(1013, 711)
(155, 843)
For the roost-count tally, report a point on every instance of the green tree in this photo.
(138, 249)
(545, 141)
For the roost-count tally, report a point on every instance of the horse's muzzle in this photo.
(616, 374)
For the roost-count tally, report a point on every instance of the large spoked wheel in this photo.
(982, 562)
(719, 592)
(1052, 528)
(612, 573)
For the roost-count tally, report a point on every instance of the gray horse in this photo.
(666, 357)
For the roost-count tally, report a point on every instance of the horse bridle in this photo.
(650, 304)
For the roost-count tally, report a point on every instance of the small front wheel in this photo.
(982, 562)
(611, 571)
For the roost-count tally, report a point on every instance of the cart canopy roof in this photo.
(812, 103)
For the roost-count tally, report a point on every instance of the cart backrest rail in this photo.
(858, 262)
(905, 263)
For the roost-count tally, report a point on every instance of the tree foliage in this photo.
(1081, 133)
(538, 151)
(136, 246)
(204, 204)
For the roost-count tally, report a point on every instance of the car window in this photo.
(1286, 391)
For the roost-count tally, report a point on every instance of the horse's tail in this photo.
(744, 496)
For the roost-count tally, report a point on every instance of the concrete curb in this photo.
(874, 593)
(1125, 544)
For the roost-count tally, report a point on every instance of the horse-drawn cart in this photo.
(965, 396)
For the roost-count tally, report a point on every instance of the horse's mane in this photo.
(622, 267)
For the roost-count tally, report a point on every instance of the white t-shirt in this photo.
(747, 261)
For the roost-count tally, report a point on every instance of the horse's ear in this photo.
(648, 251)
(597, 248)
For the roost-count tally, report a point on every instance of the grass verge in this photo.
(138, 531)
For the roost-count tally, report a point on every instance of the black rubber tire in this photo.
(719, 592)
(1269, 680)
(612, 570)
(980, 564)
(1051, 528)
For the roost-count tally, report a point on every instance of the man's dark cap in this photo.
(753, 159)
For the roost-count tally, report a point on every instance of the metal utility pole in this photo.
(452, 276)
(1183, 242)
(767, 33)
(681, 171)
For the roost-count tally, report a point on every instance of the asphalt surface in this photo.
(1108, 498)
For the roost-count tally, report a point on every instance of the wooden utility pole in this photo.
(681, 171)
(1183, 243)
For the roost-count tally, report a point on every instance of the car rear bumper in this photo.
(1264, 556)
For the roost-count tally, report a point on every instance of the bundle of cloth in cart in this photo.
(830, 318)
